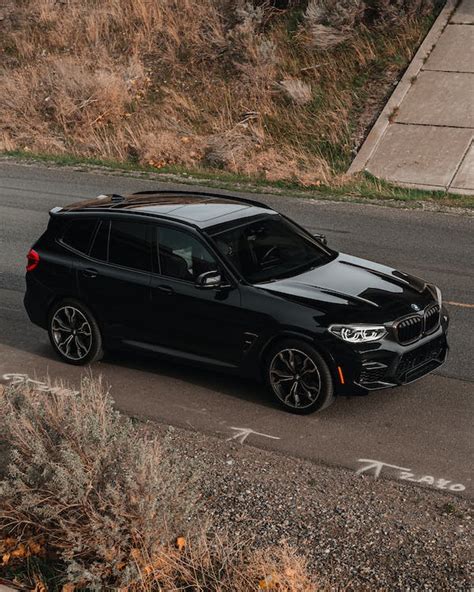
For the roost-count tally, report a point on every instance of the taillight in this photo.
(33, 260)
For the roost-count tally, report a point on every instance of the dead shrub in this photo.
(330, 22)
(253, 55)
(250, 17)
(297, 90)
(102, 504)
(68, 97)
(167, 147)
(89, 484)
(290, 165)
(220, 566)
(340, 14)
(325, 37)
(284, 571)
(228, 149)
(393, 11)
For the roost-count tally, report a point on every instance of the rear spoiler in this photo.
(114, 198)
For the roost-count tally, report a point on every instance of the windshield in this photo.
(270, 249)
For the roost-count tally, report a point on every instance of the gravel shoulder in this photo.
(357, 533)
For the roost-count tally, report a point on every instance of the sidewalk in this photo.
(424, 136)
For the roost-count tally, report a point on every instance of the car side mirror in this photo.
(209, 280)
(321, 238)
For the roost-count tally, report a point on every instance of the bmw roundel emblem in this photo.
(415, 307)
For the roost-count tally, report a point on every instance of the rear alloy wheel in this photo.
(299, 377)
(74, 333)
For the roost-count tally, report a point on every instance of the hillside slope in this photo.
(276, 90)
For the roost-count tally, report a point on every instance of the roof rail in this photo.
(202, 194)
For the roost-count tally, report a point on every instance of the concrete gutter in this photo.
(376, 133)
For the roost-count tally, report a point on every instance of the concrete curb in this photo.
(380, 126)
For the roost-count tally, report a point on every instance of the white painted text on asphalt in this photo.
(407, 475)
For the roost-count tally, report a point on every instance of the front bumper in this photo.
(386, 364)
(404, 368)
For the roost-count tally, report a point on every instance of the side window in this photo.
(182, 256)
(78, 234)
(130, 244)
(101, 241)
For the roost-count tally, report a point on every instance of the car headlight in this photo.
(358, 333)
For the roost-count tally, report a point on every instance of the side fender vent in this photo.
(249, 340)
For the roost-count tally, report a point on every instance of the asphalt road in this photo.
(424, 430)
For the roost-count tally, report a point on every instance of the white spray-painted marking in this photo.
(243, 433)
(17, 379)
(377, 466)
(406, 475)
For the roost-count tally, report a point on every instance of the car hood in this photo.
(380, 291)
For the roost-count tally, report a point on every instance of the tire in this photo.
(74, 333)
(297, 359)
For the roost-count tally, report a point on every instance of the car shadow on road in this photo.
(229, 384)
(34, 341)
(164, 374)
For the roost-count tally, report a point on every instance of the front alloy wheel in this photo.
(299, 377)
(74, 333)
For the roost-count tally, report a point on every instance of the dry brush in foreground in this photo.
(91, 501)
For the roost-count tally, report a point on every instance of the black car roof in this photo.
(192, 207)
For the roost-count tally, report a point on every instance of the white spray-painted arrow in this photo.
(243, 433)
(377, 466)
(17, 379)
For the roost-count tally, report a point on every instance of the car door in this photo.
(201, 323)
(114, 280)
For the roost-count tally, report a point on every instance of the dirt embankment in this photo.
(275, 90)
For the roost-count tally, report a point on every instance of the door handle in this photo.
(89, 273)
(166, 290)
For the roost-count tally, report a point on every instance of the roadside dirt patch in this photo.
(356, 532)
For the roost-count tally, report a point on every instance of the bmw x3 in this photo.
(232, 284)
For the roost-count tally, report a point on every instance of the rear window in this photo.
(130, 244)
(78, 234)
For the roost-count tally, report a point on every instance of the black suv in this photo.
(230, 283)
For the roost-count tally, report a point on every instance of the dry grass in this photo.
(297, 90)
(213, 83)
(92, 502)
